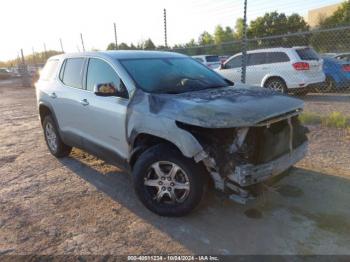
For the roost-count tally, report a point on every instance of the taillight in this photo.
(346, 68)
(301, 66)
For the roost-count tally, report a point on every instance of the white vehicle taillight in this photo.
(301, 66)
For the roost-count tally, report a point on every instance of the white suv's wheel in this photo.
(53, 140)
(276, 84)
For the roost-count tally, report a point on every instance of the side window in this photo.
(234, 63)
(277, 57)
(72, 72)
(256, 59)
(49, 70)
(100, 72)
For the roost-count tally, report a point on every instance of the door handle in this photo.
(84, 102)
(53, 95)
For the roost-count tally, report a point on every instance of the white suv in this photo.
(211, 61)
(297, 70)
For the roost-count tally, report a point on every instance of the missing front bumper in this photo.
(247, 175)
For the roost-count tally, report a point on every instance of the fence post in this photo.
(244, 45)
(165, 30)
(24, 71)
(115, 36)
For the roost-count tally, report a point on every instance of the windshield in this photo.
(172, 75)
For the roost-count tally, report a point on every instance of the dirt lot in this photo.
(79, 205)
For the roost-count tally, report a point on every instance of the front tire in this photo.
(168, 183)
(53, 140)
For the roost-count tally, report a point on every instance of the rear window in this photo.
(307, 54)
(212, 58)
(49, 70)
(72, 72)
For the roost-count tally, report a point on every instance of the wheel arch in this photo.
(270, 77)
(142, 141)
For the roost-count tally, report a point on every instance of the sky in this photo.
(29, 24)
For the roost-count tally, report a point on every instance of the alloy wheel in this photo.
(51, 136)
(167, 182)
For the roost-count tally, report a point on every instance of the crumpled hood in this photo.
(238, 106)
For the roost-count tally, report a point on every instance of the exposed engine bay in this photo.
(240, 155)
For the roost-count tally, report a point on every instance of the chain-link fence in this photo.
(315, 61)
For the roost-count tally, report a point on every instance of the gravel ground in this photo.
(80, 205)
(324, 104)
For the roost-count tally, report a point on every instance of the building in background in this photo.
(315, 15)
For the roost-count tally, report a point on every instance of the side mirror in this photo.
(105, 89)
(222, 66)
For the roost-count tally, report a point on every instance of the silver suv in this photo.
(170, 121)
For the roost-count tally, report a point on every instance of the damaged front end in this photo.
(240, 157)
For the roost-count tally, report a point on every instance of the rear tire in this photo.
(168, 183)
(276, 84)
(53, 140)
(329, 84)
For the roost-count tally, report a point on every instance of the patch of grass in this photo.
(335, 119)
(310, 119)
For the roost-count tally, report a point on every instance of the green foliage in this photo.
(334, 41)
(310, 118)
(239, 28)
(148, 45)
(223, 35)
(206, 39)
(340, 17)
(335, 119)
(111, 46)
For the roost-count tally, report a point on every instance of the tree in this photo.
(239, 28)
(274, 24)
(191, 43)
(333, 41)
(340, 17)
(296, 23)
(111, 46)
(148, 45)
(223, 35)
(206, 39)
(123, 46)
(270, 24)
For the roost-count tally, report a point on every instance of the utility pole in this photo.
(61, 45)
(244, 45)
(24, 71)
(115, 36)
(45, 51)
(165, 30)
(82, 41)
(34, 58)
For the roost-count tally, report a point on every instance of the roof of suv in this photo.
(277, 49)
(123, 54)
